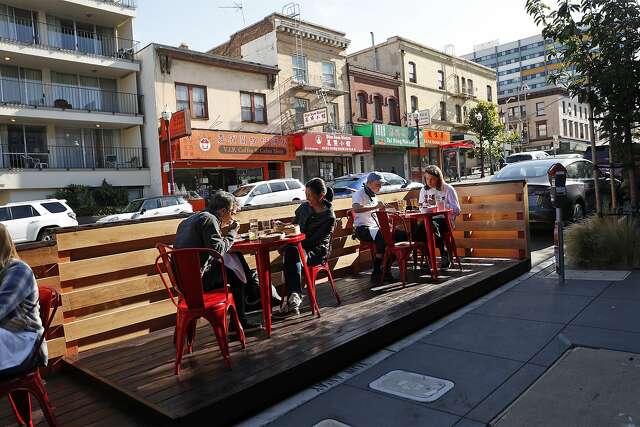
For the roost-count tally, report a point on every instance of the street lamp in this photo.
(479, 119)
(166, 116)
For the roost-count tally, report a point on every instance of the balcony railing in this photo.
(315, 82)
(38, 95)
(74, 157)
(29, 32)
(129, 4)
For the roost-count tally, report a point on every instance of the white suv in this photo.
(35, 220)
(270, 192)
(151, 207)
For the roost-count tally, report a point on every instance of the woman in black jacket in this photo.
(316, 220)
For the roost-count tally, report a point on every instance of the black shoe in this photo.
(249, 326)
(375, 277)
(445, 262)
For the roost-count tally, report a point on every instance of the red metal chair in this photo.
(315, 269)
(20, 388)
(450, 241)
(401, 250)
(371, 246)
(183, 269)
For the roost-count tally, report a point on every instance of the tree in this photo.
(108, 195)
(600, 50)
(483, 120)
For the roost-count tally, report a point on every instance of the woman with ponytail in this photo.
(316, 219)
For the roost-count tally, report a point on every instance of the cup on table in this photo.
(402, 205)
(265, 225)
(253, 229)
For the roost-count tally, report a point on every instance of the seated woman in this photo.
(436, 189)
(316, 220)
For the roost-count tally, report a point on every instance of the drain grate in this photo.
(421, 388)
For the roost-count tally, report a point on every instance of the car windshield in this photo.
(525, 170)
(518, 158)
(345, 182)
(134, 206)
(243, 191)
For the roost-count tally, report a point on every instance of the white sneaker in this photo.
(294, 302)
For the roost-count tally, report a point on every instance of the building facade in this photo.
(236, 135)
(548, 120)
(70, 111)
(312, 77)
(445, 85)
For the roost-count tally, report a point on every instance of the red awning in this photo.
(460, 144)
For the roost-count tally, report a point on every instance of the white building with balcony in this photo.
(70, 112)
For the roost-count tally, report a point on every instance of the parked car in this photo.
(270, 192)
(349, 184)
(568, 156)
(580, 187)
(151, 207)
(527, 155)
(35, 220)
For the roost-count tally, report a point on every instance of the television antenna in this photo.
(237, 5)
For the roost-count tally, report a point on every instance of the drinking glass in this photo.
(265, 225)
(253, 229)
(402, 205)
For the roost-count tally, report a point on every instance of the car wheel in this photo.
(46, 235)
(577, 212)
(296, 200)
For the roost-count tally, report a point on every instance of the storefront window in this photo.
(327, 168)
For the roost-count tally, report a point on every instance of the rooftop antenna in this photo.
(237, 5)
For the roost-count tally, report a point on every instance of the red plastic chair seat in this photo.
(213, 299)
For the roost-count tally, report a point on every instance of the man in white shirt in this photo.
(365, 224)
(437, 190)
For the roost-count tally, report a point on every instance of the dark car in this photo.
(580, 187)
(349, 184)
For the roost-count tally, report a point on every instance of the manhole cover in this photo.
(607, 275)
(410, 385)
(330, 423)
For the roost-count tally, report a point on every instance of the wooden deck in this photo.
(303, 350)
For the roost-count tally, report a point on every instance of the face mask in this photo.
(369, 192)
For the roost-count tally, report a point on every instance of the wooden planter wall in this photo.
(111, 291)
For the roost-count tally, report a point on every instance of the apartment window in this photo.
(458, 114)
(564, 127)
(253, 107)
(489, 94)
(470, 85)
(582, 131)
(464, 114)
(541, 129)
(412, 72)
(192, 98)
(564, 107)
(576, 126)
(299, 63)
(575, 110)
(301, 106)
(457, 83)
(464, 85)
(569, 109)
(570, 129)
(586, 132)
(332, 112)
(440, 79)
(329, 74)
(377, 107)
(362, 105)
(414, 103)
(443, 111)
(394, 114)
(539, 108)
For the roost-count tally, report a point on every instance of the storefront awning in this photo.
(387, 135)
(326, 142)
(460, 144)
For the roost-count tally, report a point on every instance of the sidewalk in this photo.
(492, 351)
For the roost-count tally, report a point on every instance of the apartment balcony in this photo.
(465, 94)
(129, 4)
(329, 85)
(34, 99)
(16, 158)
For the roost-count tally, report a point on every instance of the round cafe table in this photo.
(261, 250)
(427, 216)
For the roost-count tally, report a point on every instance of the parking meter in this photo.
(558, 179)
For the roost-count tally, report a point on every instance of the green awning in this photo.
(388, 135)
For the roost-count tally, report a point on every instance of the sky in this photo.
(203, 24)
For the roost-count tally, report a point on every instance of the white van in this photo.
(527, 155)
(270, 192)
(35, 220)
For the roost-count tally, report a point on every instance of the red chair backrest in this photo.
(49, 300)
(164, 250)
(385, 227)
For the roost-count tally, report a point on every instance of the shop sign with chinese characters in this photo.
(222, 145)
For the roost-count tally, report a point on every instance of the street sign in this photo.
(423, 116)
(165, 167)
(315, 118)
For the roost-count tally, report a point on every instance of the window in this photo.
(458, 114)
(253, 107)
(470, 85)
(299, 63)
(564, 127)
(570, 128)
(464, 85)
(166, 202)
(329, 74)
(394, 114)
(362, 105)
(412, 72)
(293, 185)
(489, 94)
(464, 114)
(539, 108)
(23, 211)
(576, 126)
(54, 207)
(414, 104)
(457, 83)
(151, 204)
(443, 111)
(440, 79)
(573, 171)
(278, 186)
(377, 107)
(580, 111)
(4, 214)
(192, 98)
(541, 129)
(569, 109)
(332, 116)
(261, 189)
(575, 110)
(301, 106)
(581, 131)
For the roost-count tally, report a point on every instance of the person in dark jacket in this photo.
(204, 230)
(316, 219)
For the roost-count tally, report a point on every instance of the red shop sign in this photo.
(332, 143)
